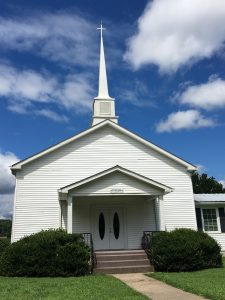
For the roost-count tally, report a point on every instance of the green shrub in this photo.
(3, 244)
(184, 250)
(47, 253)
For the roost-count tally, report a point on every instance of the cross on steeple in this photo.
(101, 28)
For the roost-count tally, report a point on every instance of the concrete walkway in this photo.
(154, 289)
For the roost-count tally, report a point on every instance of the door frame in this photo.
(110, 206)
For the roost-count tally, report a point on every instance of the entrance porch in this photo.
(115, 206)
(115, 222)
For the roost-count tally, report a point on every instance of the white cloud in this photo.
(7, 180)
(172, 33)
(28, 91)
(61, 37)
(77, 93)
(51, 115)
(26, 84)
(6, 206)
(201, 168)
(222, 182)
(7, 184)
(189, 119)
(209, 96)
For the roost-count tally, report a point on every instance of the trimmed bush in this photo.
(184, 250)
(47, 253)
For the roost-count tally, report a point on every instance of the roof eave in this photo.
(209, 202)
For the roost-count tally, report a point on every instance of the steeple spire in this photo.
(104, 105)
(102, 83)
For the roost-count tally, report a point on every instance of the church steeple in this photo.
(102, 82)
(104, 105)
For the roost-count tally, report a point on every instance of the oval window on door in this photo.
(116, 225)
(101, 226)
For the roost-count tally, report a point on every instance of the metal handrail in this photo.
(87, 236)
(146, 239)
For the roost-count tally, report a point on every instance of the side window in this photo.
(210, 217)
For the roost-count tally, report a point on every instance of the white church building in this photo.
(107, 182)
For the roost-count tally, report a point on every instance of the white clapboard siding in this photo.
(81, 219)
(220, 238)
(139, 218)
(117, 181)
(37, 205)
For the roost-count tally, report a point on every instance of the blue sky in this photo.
(165, 63)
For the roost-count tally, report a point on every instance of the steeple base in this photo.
(104, 109)
(97, 120)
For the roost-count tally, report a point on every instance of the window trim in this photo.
(217, 220)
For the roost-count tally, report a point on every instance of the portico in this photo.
(115, 206)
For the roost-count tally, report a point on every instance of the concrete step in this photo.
(116, 252)
(121, 257)
(122, 263)
(124, 270)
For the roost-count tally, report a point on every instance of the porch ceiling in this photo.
(117, 180)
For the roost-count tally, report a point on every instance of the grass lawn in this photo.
(209, 283)
(88, 287)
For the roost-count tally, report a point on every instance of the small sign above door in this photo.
(117, 190)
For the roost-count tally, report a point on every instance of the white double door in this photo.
(108, 228)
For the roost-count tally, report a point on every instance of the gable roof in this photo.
(114, 169)
(117, 127)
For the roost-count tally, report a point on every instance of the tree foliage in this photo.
(5, 228)
(4, 242)
(202, 184)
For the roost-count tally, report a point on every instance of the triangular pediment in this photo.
(116, 180)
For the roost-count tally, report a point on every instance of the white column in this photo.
(161, 221)
(69, 214)
(60, 214)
